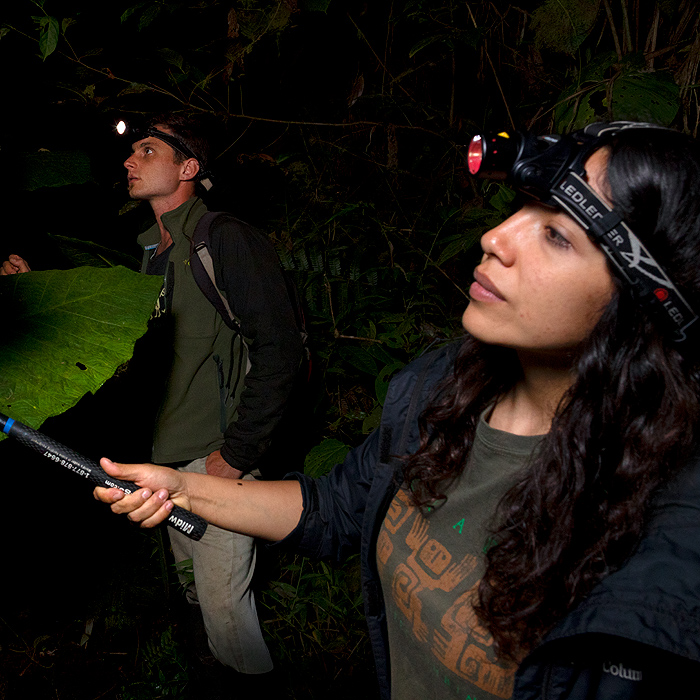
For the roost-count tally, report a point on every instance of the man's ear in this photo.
(190, 168)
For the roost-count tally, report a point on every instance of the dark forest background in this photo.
(339, 128)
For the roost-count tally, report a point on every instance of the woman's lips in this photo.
(483, 289)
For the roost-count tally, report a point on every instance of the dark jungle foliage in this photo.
(339, 128)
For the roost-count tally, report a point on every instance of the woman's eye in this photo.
(148, 151)
(554, 237)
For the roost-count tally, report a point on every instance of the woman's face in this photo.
(542, 284)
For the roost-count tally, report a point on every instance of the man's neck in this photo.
(164, 205)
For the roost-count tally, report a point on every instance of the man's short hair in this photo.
(189, 131)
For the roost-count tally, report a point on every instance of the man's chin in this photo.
(134, 194)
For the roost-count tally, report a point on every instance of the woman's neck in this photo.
(529, 407)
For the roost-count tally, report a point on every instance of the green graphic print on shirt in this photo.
(430, 565)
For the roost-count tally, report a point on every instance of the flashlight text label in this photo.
(181, 525)
(111, 484)
(66, 463)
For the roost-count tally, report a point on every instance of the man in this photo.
(13, 265)
(225, 390)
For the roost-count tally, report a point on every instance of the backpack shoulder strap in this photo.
(202, 265)
(203, 269)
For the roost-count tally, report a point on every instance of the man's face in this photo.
(151, 169)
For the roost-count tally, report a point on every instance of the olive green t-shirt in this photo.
(430, 565)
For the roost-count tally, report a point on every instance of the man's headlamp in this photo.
(137, 132)
(551, 170)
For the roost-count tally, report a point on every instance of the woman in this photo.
(545, 519)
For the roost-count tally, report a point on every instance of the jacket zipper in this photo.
(222, 393)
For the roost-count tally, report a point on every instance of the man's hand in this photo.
(14, 265)
(217, 466)
(160, 487)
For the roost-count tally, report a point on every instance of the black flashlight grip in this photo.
(180, 519)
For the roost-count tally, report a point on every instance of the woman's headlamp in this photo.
(138, 132)
(550, 169)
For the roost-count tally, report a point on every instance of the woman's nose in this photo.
(499, 242)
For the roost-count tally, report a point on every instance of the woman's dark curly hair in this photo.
(628, 422)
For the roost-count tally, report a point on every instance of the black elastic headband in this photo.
(204, 176)
(172, 141)
(606, 227)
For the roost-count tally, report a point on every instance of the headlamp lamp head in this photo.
(551, 169)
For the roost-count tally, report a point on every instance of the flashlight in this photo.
(518, 157)
(491, 155)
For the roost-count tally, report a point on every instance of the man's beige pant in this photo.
(223, 564)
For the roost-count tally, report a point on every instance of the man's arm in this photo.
(249, 272)
(14, 265)
(266, 509)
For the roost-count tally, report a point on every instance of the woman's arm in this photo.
(266, 509)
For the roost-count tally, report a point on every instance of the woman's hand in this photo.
(266, 509)
(160, 488)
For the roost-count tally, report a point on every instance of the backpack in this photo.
(286, 451)
(202, 265)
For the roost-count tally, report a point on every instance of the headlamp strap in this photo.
(629, 255)
(204, 176)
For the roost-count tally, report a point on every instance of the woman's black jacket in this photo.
(636, 635)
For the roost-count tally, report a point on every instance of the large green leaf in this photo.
(315, 5)
(65, 332)
(563, 25)
(82, 253)
(360, 358)
(645, 96)
(636, 94)
(53, 169)
(322, 458)
(49, 31)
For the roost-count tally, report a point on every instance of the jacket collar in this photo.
(180, 220)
